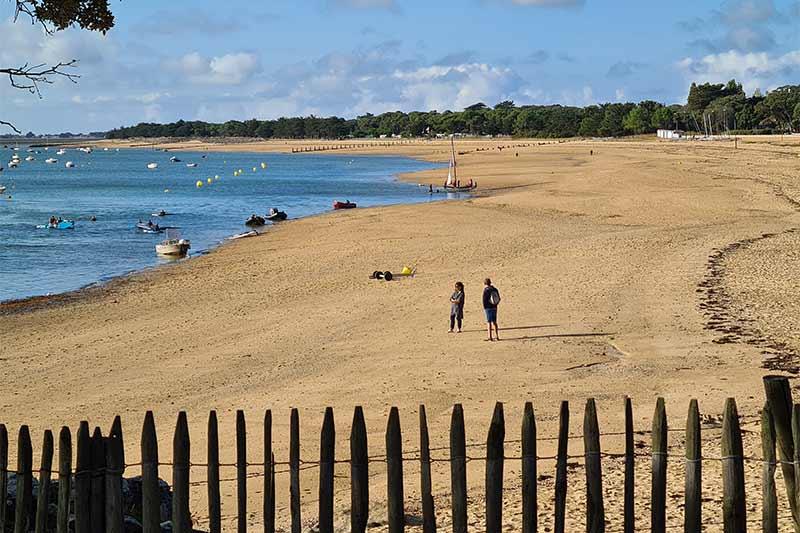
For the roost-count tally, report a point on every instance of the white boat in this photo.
(2, 189)
(13, 163)
(152, 166)
(51, 160)
(191, 165)
(86, 149)
(70, 164)
(453, 184)
(61, 152)
(173, 245)
(30, 158)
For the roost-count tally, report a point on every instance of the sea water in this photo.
(119, 190)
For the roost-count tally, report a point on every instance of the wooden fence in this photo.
(92, 493)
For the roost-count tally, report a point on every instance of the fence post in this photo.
(769, 511)
(779, 399)
(83, 481)
(359, 473)
(327, 457)
(64, 479)
(212, 473)
(24, 481)
(530, 504)
(116, 431)
(494, 471)
(3, 472)
(561, 468)
(294, 470)
(733, 493)
(595, 511)
(98, 505)
(693, 486)
(394, 473)
(241, 472)
(115, 467)
(428, 511)
(151, 496)
(181, 519)
(630, 469)
(658, 498)
(458, 469)
(44, 482)
(269, 479)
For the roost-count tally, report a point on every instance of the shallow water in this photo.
(119, 190)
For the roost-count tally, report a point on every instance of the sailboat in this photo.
(453, 184)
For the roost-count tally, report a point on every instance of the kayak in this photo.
(244, 235)
(64, 224)
(344, 205)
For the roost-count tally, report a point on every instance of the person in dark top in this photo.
(457, 307)
(491, 299)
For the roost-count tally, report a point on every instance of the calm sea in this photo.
(118, 189)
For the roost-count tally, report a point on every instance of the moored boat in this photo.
(275, 215)
(152, 166)
(69, 164)
(191, 165)
(344, 205)
(173, 245)
(51, 160)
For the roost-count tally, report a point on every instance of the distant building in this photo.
(670, 134)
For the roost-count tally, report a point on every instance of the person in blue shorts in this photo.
(491, 299)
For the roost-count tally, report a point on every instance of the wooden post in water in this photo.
(630, 470)
(779, 398)
(769, 511)
(658, 496)
(3, 472)
(530, 503)
(241, 472)
(44, 482)
(494, 471)
(428, 510)
(734, 511)
(64, 479)
(561, 468)
(98, 505)
(595, 510)
(327, 456)
(151, 494)
(458, 470)
(693, 486)
(294, 470)
(83, 481)
(269, 477)
(22, 517)
(359, 473)
(212, 474)
(115, 467)
(394, 473)
(181, 518)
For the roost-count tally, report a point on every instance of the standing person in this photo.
(457, 307)
(491, 298)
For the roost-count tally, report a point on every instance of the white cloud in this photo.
(752, 69)
(228, 69)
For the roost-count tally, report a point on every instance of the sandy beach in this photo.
(604, 263)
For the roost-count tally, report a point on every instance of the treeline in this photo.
(710, 108)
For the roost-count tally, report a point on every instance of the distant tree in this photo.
(505, 104)
(662, 118)
(53, 16)
(476, 107)
(780, 104)
(636, 121)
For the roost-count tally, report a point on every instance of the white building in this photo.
(670, 134)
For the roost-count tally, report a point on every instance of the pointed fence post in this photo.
(630, 470)
(769, 511)
(458, 470)
(83, 481)
(115, 467)
(3, 472)
(658, 497)
(181, 517)
(64, 479)
(734, 509)
(212, 474)
(561, 468)
(269, 477)
(45, 470)
(294, 470)
(359, 473)
(98, 505)
(530, 504)
(693, 487)
(779, 398)
(116, 431)
(428, 511)
(241, 472)
(394, 473)
(24, 503)
(151, 494)
(494, 471)
(595, 510)
(327, 458)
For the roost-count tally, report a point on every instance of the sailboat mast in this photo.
(453, 157)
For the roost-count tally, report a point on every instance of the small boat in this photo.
(61, 152)
(255, 221)
(161, 213)
(13, 163)
(173, 245)
(70, 164)
(149, 227)
(251, 233)
(60, 224)
(30, 158)
(344, 205)
(174, 159)
(152, 166)
(191, 165)
(2, 189)
(51, 160)
(275, 215)
(452, 184)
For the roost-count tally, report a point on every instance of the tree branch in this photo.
(10, 125)
(29, 77)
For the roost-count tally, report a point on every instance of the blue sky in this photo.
(236, 60)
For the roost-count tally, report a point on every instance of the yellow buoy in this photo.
(209, 180)
(199, 184)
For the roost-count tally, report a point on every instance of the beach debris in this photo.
(387, 275)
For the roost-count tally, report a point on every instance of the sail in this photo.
(451, 171)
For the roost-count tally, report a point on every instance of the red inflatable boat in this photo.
(344, 205)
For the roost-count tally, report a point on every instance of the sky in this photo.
(235, 60)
